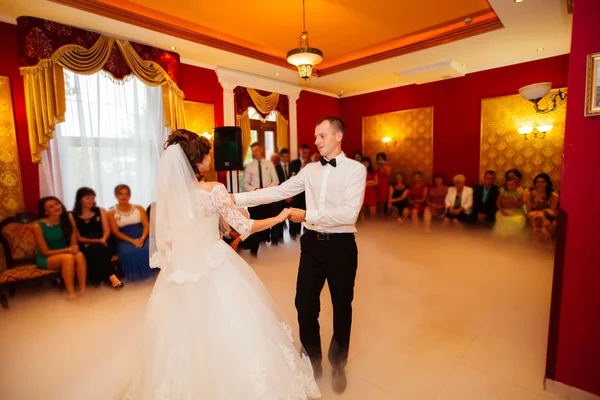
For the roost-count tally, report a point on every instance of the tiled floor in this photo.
(451, 315)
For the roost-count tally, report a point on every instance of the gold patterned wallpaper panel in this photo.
(503, 148)
(200, 118)
(11, 189)
(411, 140)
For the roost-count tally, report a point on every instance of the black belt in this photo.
(327, 236)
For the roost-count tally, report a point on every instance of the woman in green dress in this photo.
(57, 244)
(510, 218)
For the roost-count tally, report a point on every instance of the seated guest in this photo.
(55, 236)
(358, 156)
(129, 224)
(383, 171)
(370, 200)
(233, 238)
(459, 201)
(436, 201)
(398, 197)
(517, 175)
(92, 233)
(417, 198)
(315, 157)
(542, 204)
(484, 200)
(510, 218)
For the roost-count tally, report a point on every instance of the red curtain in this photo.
(243, 101)
(40, 38)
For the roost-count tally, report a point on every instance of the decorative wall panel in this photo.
(503, 148)
(200, 118)
(411, 140)
(11, 189)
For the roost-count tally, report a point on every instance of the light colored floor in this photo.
(451, 315)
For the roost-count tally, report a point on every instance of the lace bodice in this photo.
(218, 203)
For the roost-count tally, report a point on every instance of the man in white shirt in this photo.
(258, 174)
(335, 189)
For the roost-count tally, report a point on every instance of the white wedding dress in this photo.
(212, 331)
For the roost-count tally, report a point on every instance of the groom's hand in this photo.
(297, 215)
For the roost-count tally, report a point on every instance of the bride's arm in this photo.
(243, 225)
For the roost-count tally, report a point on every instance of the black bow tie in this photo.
(325, 162)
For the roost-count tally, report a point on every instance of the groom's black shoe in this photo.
(338, 379)
(317, 367)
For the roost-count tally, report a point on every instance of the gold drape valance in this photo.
(45, 90)
(264, 104)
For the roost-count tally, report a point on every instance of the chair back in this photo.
(18, 240)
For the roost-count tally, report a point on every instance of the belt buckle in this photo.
(322, 236)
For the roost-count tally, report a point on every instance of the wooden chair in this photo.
(20, 248)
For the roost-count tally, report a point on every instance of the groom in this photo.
(335, 189)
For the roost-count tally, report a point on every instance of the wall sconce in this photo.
(207, 135)
(537, 91)
(542, 130)
(388, 141)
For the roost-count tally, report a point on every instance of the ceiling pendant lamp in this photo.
(304, 57)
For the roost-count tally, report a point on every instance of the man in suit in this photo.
(283, 173)
(299, 200)
(258, 174)
(484, 200)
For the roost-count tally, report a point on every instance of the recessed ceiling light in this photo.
(540, 49)
(396, 80)
(464, 65)
(341, 91)
(173, 47)
(277, 73)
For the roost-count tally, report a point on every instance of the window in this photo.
(112, 134)
(263, 132)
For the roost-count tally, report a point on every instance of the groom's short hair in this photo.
(336, 124)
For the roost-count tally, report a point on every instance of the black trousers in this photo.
(295, 228)
(262, 212)
(332, 258)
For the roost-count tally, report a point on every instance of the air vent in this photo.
(433, 72)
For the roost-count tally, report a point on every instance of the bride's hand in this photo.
(284, 214)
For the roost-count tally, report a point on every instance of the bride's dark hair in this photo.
(194, 146)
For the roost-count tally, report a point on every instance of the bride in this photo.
(211, 329)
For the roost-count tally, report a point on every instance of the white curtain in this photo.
(113, 133)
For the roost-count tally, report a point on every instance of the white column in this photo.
(293, 122)
(228, 104)
(229, 119)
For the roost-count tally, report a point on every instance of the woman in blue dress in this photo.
(129, 225)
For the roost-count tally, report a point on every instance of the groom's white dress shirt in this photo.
(334, 195)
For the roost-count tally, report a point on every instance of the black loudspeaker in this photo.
(228, 149)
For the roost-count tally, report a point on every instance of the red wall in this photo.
(578, 344)
(9, 66)
(311, 107)
(457, 109)
(202, 85)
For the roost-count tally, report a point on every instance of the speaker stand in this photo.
(233, 182)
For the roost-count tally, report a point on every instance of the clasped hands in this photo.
(293, 214)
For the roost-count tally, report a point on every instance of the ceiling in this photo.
(365, 43)
(267, 29)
